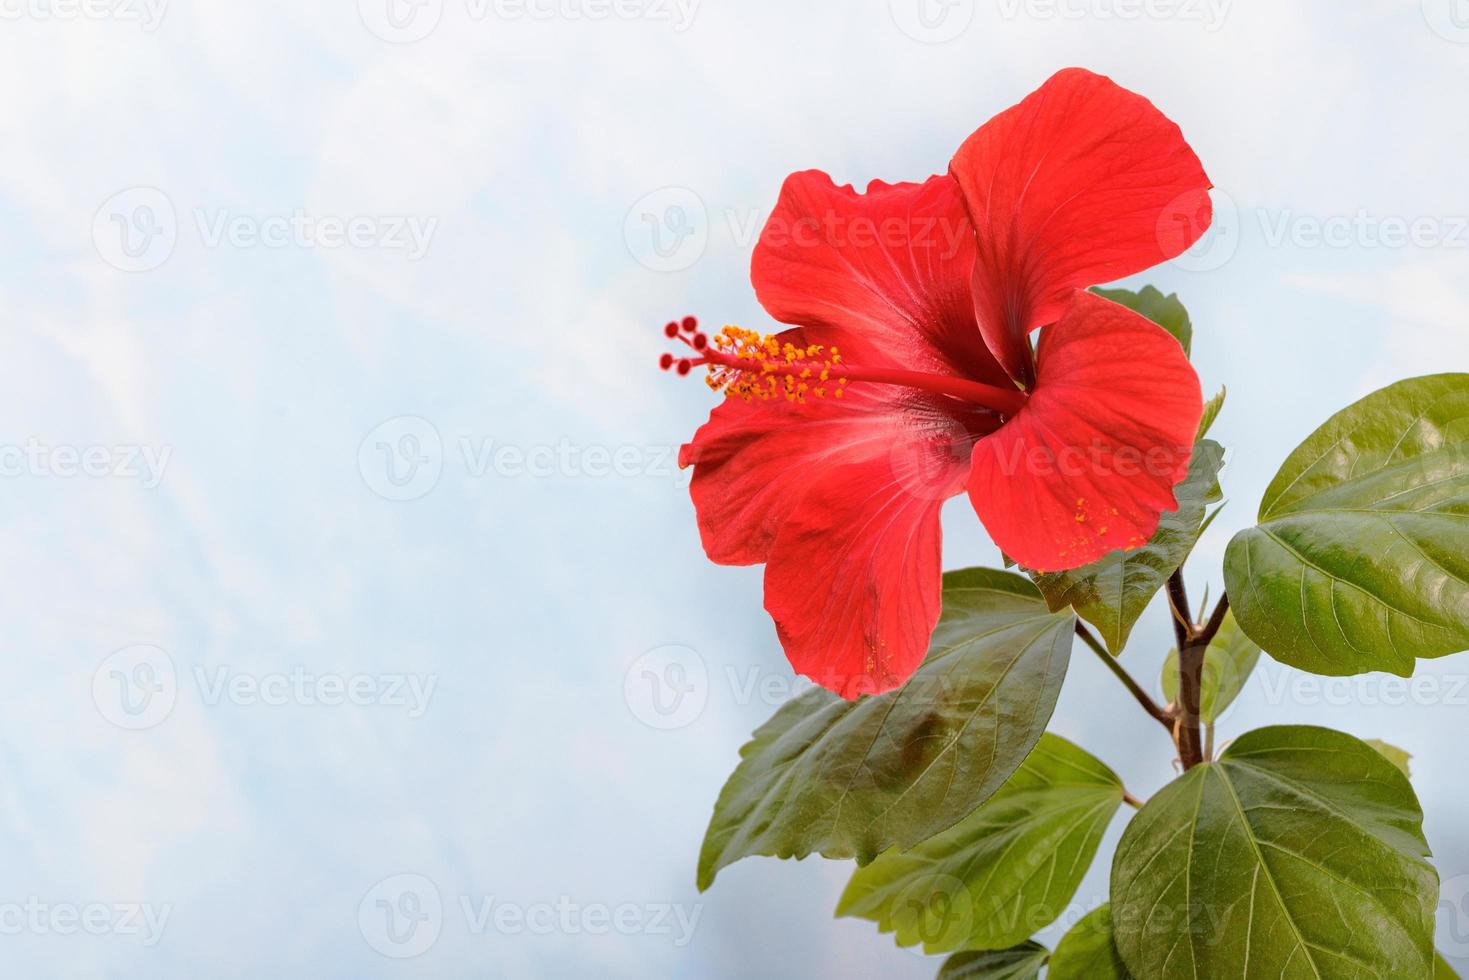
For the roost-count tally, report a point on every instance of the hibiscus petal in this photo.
(884, 275)
(1081, 183)
(854, 580)
(1090, 463)
(842, 500)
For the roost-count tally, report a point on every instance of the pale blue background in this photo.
(533, 321)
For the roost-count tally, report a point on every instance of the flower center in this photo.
(750, 365)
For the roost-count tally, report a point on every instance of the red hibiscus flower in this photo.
(910, 376)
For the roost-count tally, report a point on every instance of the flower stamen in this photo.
(746, 364)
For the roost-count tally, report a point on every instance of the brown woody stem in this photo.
(1193, 646)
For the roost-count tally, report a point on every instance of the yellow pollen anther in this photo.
(769, 368)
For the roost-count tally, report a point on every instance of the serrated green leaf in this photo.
(1228, 663)
(853, 778)
(1021, 962)
(1166, 311)
(1299, 854)
(1087, 951)
(1212, 408)
(1360, 561)
(1398, 757)
(1112, 593)
(1003, 872)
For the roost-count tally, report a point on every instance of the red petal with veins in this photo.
(1089, 465)
(841, 499)
(1081, 183)
(884, 275)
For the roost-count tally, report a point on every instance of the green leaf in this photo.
(1441, 968)
(1112, 593)
(1022, 962)
(1360, 561)
(1166, 311)
(1212, 408)
(1228, 663)
(853, 778)
(1300, 853)
(1393, 754)
(1003, 872)
(1087, 951)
